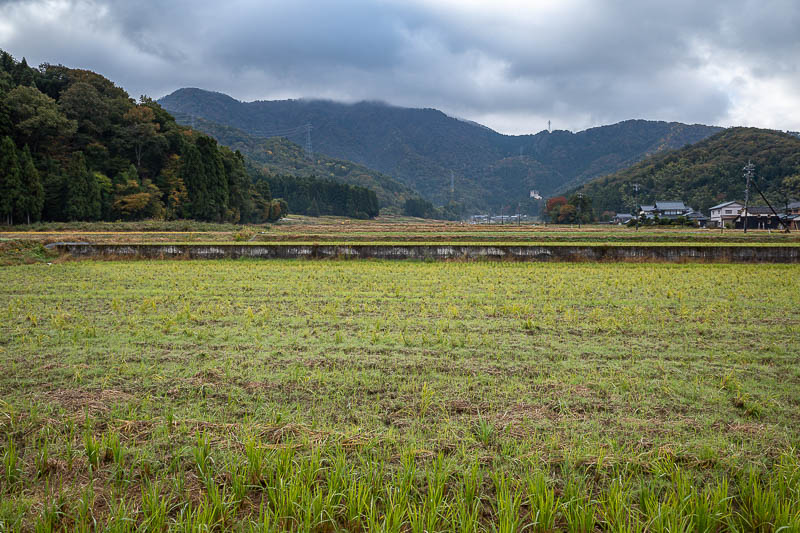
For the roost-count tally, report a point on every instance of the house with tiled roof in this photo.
(725, 212)
(664, 209)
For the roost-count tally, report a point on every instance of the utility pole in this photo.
(761, 193)
(636, 203)
(748, 174)
(580, 205)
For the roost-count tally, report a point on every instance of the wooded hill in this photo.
(420, 147)
(278, 156)
(77, 147)
(707, 173)
(74, 146)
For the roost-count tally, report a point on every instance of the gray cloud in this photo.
(510, 64)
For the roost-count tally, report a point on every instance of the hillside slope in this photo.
(421, 147)
(706, 173)
(278, 155)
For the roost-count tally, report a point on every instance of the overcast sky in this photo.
(510, 64)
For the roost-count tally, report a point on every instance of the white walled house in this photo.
(725, 212)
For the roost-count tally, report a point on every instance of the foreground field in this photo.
(399, 396)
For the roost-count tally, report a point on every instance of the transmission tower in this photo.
(309, 150)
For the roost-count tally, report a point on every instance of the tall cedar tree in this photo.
(193, 174)
(10, 179)
(83, 192)
(32, 198)
(216, 183)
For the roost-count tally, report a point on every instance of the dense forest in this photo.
(707, 173)
(74, 146)
(280, 156)
(421, 147)
(315, 197)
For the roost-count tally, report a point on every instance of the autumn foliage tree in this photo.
(553, 207)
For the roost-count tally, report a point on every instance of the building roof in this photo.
(695, 215)
(670, 206)
(759, 210)
(648, 207)
(794, 205)
(725, 204)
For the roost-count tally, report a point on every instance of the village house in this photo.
(760, 217)
(725, 212)
(663, 210)
(622, 218)
(697, 217)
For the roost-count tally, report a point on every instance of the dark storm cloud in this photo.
(510, 64)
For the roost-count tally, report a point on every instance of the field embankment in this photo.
(629, 252)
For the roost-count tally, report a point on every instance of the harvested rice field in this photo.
(399, 396)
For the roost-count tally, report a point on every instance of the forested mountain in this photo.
(707, 173)
(73, 146)
(278, 156)
(421, 147)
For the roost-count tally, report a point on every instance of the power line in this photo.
(291, 132)
(286, 132)
(309, 150)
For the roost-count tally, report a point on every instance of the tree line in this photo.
(421, 208)
(315, 197)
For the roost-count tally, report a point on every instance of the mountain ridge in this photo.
(422, 146)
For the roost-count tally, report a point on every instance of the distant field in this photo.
(382, 230)
(396, 396)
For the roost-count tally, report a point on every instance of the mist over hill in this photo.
(422, 147)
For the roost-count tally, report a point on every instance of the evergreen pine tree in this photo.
(193, 175)
(82, 200)
(32, 198)
(10, 179)
(23, 75)
(215, 180)
(313, 209)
